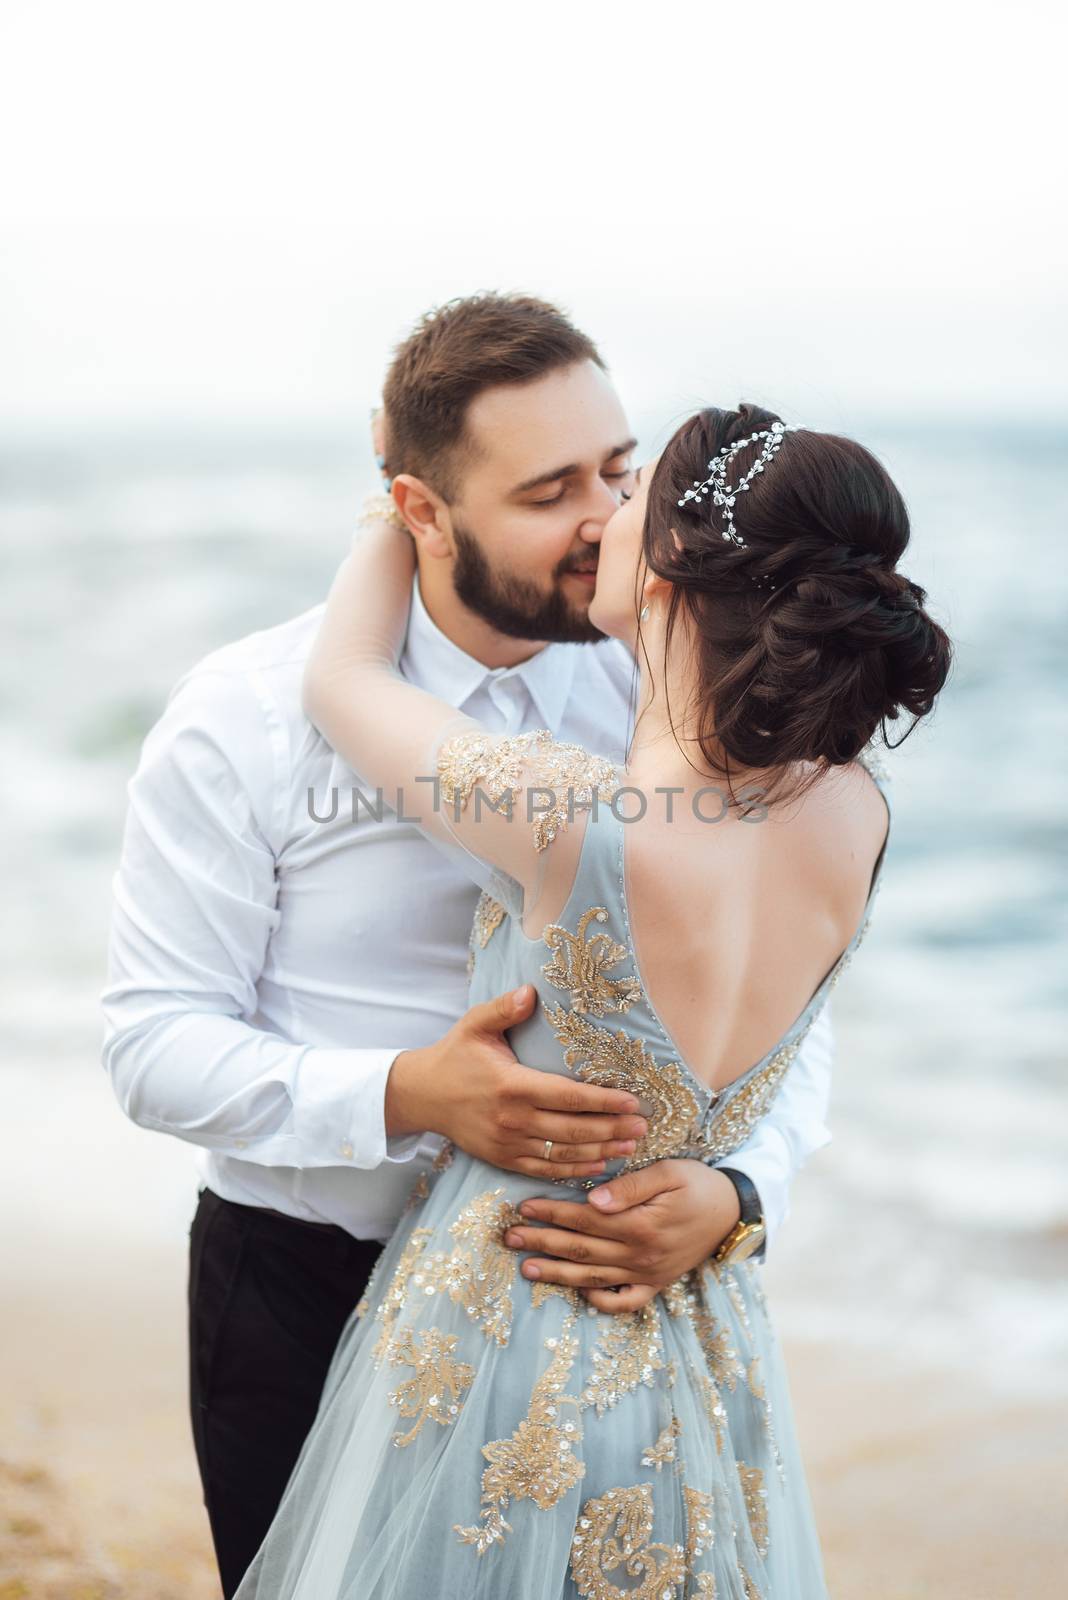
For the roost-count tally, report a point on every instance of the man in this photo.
(287, 976)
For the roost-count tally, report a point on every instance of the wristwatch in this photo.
(747, 1235)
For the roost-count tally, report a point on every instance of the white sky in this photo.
(229, 211)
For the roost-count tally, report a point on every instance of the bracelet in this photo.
(381, 508)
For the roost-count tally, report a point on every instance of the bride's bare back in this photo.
(735, 924)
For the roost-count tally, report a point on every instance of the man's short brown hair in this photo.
(452, 355)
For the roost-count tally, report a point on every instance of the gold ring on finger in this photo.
(548, 1149)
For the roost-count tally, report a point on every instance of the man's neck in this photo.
(472, 634)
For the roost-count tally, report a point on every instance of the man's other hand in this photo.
(640, 1231)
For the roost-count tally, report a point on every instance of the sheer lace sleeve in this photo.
(506, 798)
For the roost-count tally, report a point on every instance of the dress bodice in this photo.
(594, 1019)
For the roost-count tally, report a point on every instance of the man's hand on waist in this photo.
(470, 1088)
(641, 1231)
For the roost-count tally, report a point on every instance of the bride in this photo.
(683, 920)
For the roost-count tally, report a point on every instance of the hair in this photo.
(808, 638)
(452, 355)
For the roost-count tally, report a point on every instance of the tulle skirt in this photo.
(481, 1436)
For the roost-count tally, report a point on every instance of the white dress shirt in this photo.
(267, 965)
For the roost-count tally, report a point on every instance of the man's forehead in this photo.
(572, 416)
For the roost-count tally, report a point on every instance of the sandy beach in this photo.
(926, 1482)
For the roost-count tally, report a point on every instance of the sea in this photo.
(936, 1220)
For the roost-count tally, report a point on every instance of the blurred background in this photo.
(216, 222)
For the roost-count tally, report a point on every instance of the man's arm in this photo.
(195, 903)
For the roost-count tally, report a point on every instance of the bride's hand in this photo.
(362, 631)
(383, 533)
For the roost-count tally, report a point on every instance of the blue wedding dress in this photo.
(483, 1436)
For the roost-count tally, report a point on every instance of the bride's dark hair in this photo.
(808, 639)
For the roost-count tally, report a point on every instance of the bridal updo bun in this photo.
(809, 637)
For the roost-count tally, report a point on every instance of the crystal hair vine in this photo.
(724, 494)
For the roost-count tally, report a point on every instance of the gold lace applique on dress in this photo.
(538, 1461)
(579, 965)
(616, 1060)
(444, 1157)
(759, 1393)
(715, 1410)
(728, 1280)
(686, 1298)
(614, 1532)
(629, 1351)
(500, 765)
(489, 914)
(659, 1454)
(393, 1300)
(542, 1291)
(717, 1349)
(420, 1192)
(479, 1274)
(436, 1390)
(700, 1536)
(674, 1296)
(756, 1505)
(726, 1369)
(731, 1126)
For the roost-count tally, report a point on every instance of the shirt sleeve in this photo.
(793, 1128)
(195, 904)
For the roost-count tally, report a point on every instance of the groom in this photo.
(287, 975)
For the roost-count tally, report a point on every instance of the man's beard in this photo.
(515, 606)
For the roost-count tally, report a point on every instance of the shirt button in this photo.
(241, 1143)
(346, 1150)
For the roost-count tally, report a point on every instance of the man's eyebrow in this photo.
(572, 466)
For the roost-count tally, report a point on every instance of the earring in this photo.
(643, 615)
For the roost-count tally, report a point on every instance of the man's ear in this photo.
(426, 514)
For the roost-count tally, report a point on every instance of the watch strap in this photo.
(748, 1195)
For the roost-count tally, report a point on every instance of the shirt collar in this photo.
(433, 661)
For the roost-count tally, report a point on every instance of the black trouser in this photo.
(268, 1298)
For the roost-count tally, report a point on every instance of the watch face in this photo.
(749, 1239)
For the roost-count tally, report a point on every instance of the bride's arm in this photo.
(379, 723)
(399, 737)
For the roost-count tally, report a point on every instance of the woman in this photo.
(481, 1434)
